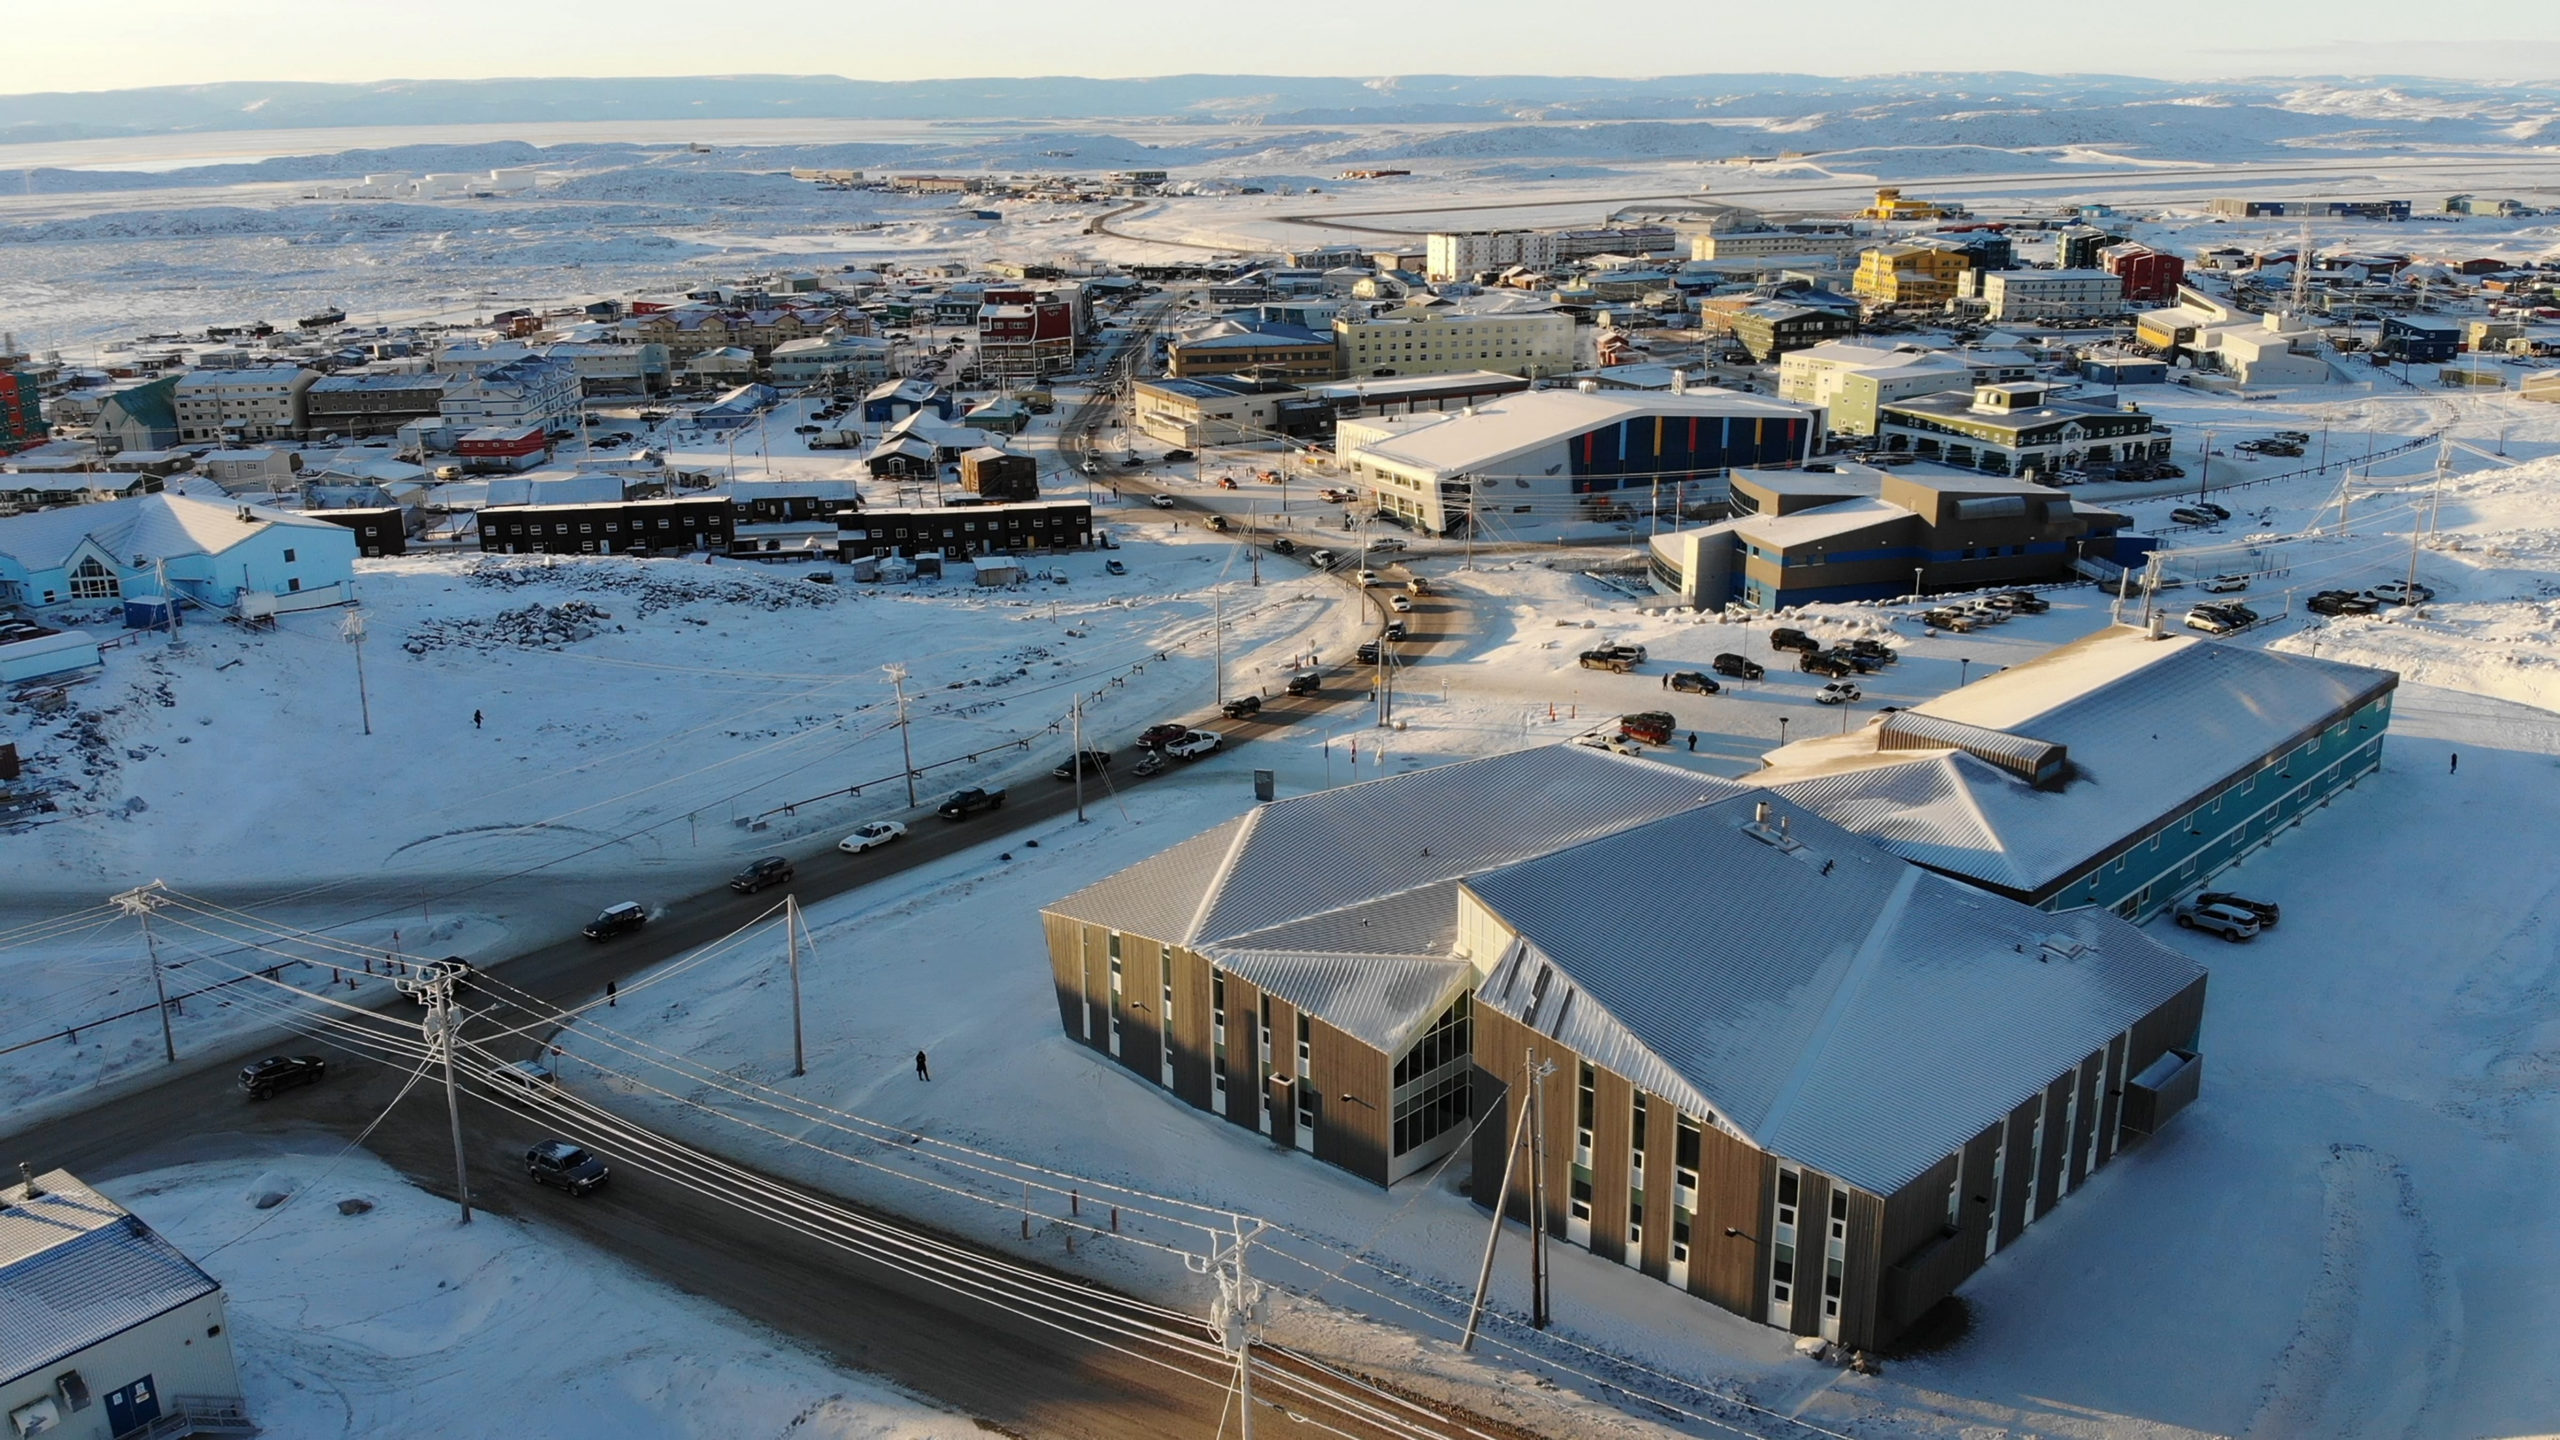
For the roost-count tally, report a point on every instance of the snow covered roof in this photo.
(1452, 442)
(77, 1268)
(163, 527)
(1795, 984)
(2149, 726)
(1860, 1016)
(1822, 522)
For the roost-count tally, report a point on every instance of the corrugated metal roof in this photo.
(2020, 754)
(2151, 725)
(1335, 848)
(1158, 897)
(75, 1268)
(1380, 1000)
(1828, 1003)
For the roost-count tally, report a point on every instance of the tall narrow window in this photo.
(1586, 1106)
(1782, 1249)
(1835, 1262)
(1117, 997)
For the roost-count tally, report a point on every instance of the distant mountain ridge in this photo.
(1285, 100)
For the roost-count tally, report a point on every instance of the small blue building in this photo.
(2420, 340)
(235, 558)
(897, 399)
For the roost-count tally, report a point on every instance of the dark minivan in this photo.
(771, 870)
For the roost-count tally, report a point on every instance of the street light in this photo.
(1782, 730)
(1964, 664)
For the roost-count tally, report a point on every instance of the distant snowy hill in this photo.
(2063, 101)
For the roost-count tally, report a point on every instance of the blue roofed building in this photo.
(110, 1331)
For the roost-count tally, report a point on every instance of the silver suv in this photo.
(2228, 921)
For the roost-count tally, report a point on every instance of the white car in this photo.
(1368, 577)
(1389, 544)
(2228, 921)
(1195, 745)
(1838, 692)
(1401, 604)
(1164, 502)
(2225, 585)
(871, 836)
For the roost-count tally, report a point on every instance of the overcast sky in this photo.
(56, 46)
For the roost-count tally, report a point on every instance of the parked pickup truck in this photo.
(1609, 660)
(969, 802)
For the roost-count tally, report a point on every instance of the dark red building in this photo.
(2150, 276)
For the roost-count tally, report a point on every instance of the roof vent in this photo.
(1679, 382)
(1775, 837)
(1588, 387)
(27, 1173)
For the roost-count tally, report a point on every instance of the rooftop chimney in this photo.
(1760, 813)
(1588, 387)
(27, 1173)
(1679, 382)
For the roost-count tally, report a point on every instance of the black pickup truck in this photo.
(969, 802)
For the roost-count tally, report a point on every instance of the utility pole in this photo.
(1075, 724)
(1529, 1077)
(351, 629)
(139, 902)
(1218, 635)
(2204, 465)
(1471, 525)
(1237, 1313)
(1538, 1202)
(791, 943)
(433, 983)
(898, 677)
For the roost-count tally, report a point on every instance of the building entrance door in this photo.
(132, 1407)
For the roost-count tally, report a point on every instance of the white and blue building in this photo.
(235, 558)
(2122, 770)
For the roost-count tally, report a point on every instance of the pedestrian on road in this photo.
(610, 989)
(923, 1072)
(475, 719)
(1693, 742)
(2456, 767)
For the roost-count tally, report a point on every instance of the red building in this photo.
(1024, 339)
(20, 423)
(503, 447)
(2149, 275)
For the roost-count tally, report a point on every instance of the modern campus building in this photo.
(1793, 1075)
(1548, 455)
(2120, 771)
(1857, 532)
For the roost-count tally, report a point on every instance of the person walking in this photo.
(923, 1072)
(609, 991)
(475, 719)
(1693, 742)
(2456, 767)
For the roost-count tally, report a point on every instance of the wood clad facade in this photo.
(1175, 1045)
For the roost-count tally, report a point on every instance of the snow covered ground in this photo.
(647, 724)
(2328, 1244)
(393, 1320)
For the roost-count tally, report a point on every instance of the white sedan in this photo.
(871, 836)
(1400, 604)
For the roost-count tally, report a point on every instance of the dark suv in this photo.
(1786, 639)
(564, 1165)
(619, 919)
(1090, 762)
(1242, 707)
(1735, 667)
(281, 1072)
(771, 870)
(1305, 682)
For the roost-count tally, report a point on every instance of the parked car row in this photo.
(2221, 618)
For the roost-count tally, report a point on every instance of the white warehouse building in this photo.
(1556, 456)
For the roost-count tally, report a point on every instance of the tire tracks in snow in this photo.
(2383, 1298)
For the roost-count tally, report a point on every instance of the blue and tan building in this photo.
(2119, 771)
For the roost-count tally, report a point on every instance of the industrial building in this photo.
(2240, 208)
(2019, 428)
(1792, 1075)
(1548, 456)
(1856, 532)
(113, 1332)
(2122, 770)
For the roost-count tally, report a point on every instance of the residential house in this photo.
(239, 559)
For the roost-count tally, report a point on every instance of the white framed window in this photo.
(1782, 1247)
